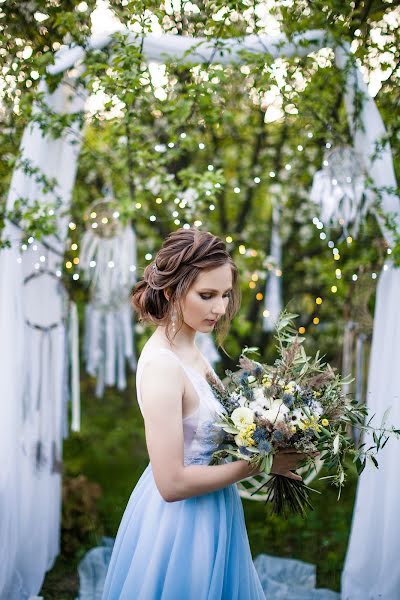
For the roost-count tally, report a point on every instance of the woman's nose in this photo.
(219, 307)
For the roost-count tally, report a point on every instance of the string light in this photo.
(266, 313)
(68, 264)
(210, 167)
(228, 239)
(242, 249)
(148, 256)
(201, 146)
(75, 276)
(236, 190)
(211, 207)
(315, 320)
(94, 225)
(318, 300)
(104, 220)
(76, 260)
(110, 264)
(42, 259)
(74, 247)
(354, 277)
(152, 218)
(24, 247)
(259, 296)
(30, 240)
(257, 180)
(72, 226)
(92, 263)
(138, 205)
(93, 215)
(198, 223)
(373, 275)
(334, 289)
(254, 277)
(159, 200)
(389, 251)
(58, 273)
(302, 329)
(272, 173)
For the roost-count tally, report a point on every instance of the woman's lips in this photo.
(211, 322)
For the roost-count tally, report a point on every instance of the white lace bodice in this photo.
(201, 437)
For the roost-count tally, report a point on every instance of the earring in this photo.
(173, 320)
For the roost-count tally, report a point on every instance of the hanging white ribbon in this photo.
(273, 289)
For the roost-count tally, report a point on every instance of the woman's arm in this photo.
(162, 389)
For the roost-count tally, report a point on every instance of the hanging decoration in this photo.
(273, 288)
(108, 263)
(339, 189)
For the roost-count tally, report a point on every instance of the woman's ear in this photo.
(167, 294)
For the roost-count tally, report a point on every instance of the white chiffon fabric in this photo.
(371, 569)
(32, 367)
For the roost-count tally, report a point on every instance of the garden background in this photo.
(230, 143)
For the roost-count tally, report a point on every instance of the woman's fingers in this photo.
(292, 475)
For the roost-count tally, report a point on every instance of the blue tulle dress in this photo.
(192, 549)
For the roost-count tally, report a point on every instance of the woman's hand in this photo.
(288, 460)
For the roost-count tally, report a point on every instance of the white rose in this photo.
(258, 395)
(276, 411)
(242, 417)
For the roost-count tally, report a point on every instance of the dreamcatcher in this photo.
(108, 262)
(339, 189)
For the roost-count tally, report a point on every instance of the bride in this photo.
(183, 533)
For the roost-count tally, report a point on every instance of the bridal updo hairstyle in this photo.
(183, 255)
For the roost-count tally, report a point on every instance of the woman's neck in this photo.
(183, 340)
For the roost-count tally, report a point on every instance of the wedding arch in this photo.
(34, 324)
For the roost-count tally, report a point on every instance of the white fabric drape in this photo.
(32, 367)
(370, 570)
(273, 288)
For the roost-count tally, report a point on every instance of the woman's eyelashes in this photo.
(208, 296)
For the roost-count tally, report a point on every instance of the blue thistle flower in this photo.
(288, 400)
(257, 371)
(259, 435)
(278, 436)
(264, 447)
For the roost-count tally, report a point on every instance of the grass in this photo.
(110, 451)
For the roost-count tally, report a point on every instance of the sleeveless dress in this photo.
(191, 549)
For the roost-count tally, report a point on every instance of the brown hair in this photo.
(184, 253)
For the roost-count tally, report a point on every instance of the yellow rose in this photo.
(325, 422)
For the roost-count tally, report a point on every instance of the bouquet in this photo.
(296, 403)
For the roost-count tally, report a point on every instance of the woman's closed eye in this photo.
(208, 296)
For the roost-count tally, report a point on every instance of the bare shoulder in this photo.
(162, 381)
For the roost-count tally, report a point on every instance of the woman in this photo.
(183, 534)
